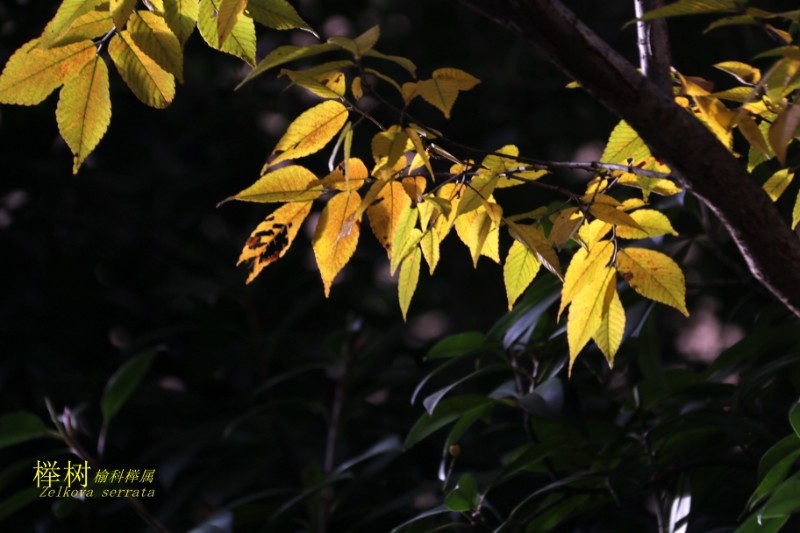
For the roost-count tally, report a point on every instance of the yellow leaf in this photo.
(717, 117)
(311, 131)
(336, 236)
(652, 223)
(741, 71)
(242, 39)
(408, 91)
(796, 211)
(566, 223)
(533, 238)
(519, 270)
(442, 89)
(181, 16)
(388, 147)
(355, 179)
(153, 36)
(593, 231)
(587, 310)
(149, 82)
(480, 189)
(328, 84)
(409, 277)
(89, 26)
(584, 267)
(406, 236)
(32, 73)
(356, 89)
(782, 130)
(272, 238)
(84, 109)
(228, 12)
(286, 184)
(416, 140)
(430, 247)
(612, 215)
(121, 11)
(384, 213)
(480, 234)
(778, 182)
(654, 276)
(632, 203)
(68, 12)
(277, 14)
(414, 187)
(624, 144)
(751, 132)
(661, 186)
(608, 336)
(446, 199)
(361, 44)
(519, 177)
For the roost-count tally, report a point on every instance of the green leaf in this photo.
(278, 15)
(21, 427)
(794, 418)
(285, 54)
(18, 500)
(446, 412)
(181, 16)
(520, 268)
(123, 383)
(409, 276)
(773, 477)
(402, 61)
(67, 13)
(457, 345)
(151, 33)
(464, 497)
(694, 7)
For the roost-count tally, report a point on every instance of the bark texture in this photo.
(702, 164)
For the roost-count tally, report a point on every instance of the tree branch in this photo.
(653, 42)
(701, 163)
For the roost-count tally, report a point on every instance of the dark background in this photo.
(132, 254)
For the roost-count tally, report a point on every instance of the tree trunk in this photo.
(701, 163)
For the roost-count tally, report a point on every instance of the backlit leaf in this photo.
(519, 270)
(593, 231)
(624, 144)
(661, 186)
(285, 54)
(389, 146)
(654, 275)
(416, 140)
(384, 213)
(652, 223)
(361, 44)
(587, 310)
(336, 236)
(329, 84)
(121, 11)
(608, 336)
(286, 184)
(533, 238)
(566, 223)
(272, 238)
(242, 39)
(181, 16)
(356, 89)
(355, 179)
(311, 131)
(278, 15)
(782, 130)
(154, 37)
(479, 190)
(751, 132)
(442, 89)
(694, 7)
(430, 244)
(480, 234)
(89, 26)
(84, 109)
(409, 277)
(67, 13)
(406, 236)
(227, 14)
(778, 182)
(149, 82)
(741, 71)
(584, 267)
(796, 212)
(32, 73)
